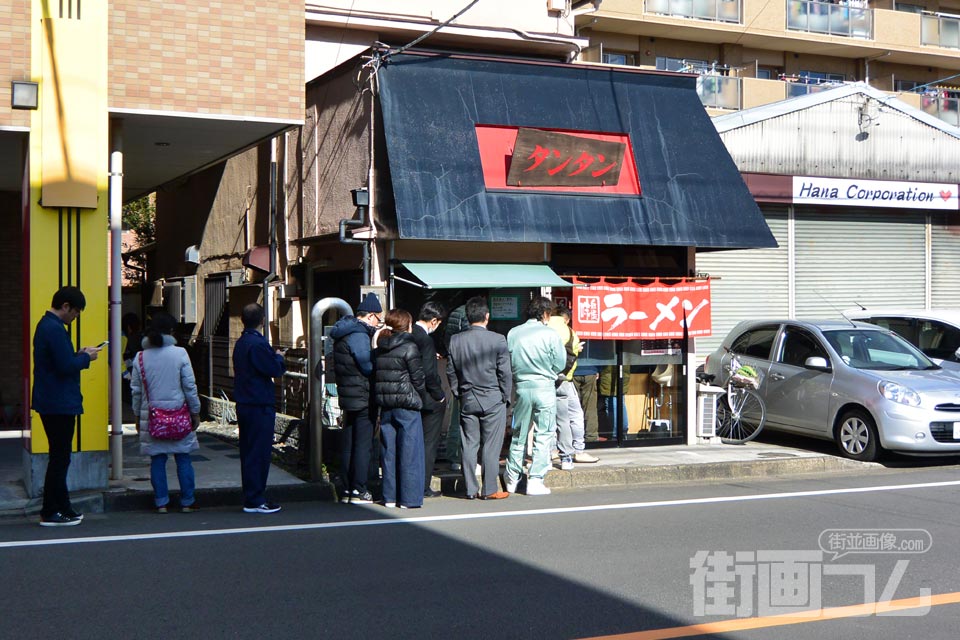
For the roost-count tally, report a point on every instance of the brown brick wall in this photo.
(15, 60)
(237, 57)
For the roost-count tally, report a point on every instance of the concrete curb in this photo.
(662, 474)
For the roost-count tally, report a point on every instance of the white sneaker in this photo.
(390, 505)
(585, 458)
(566, 464)
(512, 486)
(535, 487)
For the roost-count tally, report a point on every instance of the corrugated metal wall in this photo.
(853, 256)
(753, 283)
(827, 140)
(945, 261)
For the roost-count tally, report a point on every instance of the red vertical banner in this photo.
(629, 311)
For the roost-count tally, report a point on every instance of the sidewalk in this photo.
(217, 466)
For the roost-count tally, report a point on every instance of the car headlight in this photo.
(899, 393)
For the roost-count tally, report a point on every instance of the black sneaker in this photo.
(73, 514)
(58, 520)
(361, 498)
(431, 493)
(266, 507)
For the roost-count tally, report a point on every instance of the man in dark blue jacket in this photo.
(353, 368)
(255, 365)
(57, 398)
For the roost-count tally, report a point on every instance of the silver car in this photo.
(858, 384)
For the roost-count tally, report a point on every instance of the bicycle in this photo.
(741, 412)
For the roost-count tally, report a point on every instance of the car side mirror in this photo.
(817, 363)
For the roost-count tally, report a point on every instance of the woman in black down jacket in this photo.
(399, 390)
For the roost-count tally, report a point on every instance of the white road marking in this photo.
(468, 516)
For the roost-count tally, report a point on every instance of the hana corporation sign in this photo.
(875, 193)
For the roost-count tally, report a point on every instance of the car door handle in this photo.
(777, 377)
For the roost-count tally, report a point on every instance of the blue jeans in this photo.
(158, 478)
(611, 403)
(401, 446)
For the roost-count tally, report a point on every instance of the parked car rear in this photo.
(935, 332)
(860, 385)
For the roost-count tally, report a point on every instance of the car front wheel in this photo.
(857, 436)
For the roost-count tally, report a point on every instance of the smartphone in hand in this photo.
(103, 344)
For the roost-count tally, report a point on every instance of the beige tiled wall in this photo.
(230, 57)
(15, 59)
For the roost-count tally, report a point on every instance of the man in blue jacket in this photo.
(57, 398)
(353, 368)
(255, 365)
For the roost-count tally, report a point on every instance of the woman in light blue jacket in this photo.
(170, 384)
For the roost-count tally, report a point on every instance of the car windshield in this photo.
(877, 350)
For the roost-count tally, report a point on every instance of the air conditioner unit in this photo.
(707, 410)
(557, 5)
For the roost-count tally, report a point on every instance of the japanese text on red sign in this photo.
(630, 311)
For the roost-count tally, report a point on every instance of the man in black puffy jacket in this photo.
(353, 366)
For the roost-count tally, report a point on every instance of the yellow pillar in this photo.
(66, 229)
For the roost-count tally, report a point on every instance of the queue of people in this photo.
(388, 379)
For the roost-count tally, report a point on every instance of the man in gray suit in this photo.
(479, 371)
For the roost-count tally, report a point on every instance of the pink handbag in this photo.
(165, 424)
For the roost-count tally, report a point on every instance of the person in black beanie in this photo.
(353, 368)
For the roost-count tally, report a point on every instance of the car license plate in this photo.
(956, 430)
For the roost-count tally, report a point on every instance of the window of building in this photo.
(820, 77)
(906, 85)
(909, 8)
(617, 57)
(685, 65)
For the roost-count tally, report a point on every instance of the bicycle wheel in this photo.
(740, 416)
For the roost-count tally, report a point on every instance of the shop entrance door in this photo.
(639, 398)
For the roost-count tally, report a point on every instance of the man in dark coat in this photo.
(56, 397)
(429, 319)
(353, 368)
(479, 371)
(255, 365)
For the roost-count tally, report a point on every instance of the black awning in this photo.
(432, 107)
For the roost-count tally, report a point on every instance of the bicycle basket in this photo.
(745, 377)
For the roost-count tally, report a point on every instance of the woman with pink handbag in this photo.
(166, 401)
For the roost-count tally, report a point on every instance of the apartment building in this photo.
(754, 52)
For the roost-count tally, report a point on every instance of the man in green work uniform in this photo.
(537, 357)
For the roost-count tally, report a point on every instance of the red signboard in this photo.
(630, 311)
(557, 161)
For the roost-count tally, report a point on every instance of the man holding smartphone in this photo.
(56, 397)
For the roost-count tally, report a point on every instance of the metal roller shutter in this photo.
(872, 257)
(752, 282)
(945, 262)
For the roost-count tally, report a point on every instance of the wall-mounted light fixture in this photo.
(361, 198)
(24, 95)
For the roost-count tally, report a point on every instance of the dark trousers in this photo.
(487, 428)
(59, 430)
(256, 424)
(432, 420)
(587, 390)
(401, 455)
(356, 443)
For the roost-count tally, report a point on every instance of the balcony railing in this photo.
(849, 18)
(940, 30)
(719, 92)
(716, 10)
(799, 86)
(942, 105)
